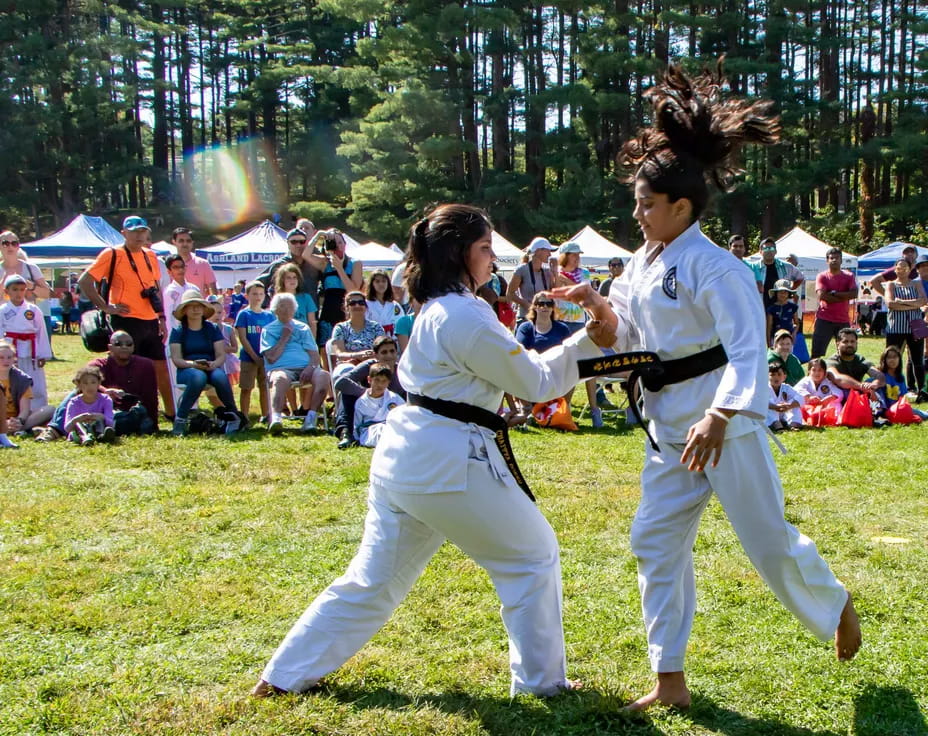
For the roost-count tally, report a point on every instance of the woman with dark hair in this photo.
(438, 473)
(695, 306)
(905, 299)
(381, 307)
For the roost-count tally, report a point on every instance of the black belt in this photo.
(653, 372)
(470, 414)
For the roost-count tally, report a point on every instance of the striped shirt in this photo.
(899, 319)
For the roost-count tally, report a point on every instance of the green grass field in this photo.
(143, 586)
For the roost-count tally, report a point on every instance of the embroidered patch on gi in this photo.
(29, 314)
(669, 284)
(516, 351)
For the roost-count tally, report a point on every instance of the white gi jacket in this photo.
(459, 351)
(694, 296)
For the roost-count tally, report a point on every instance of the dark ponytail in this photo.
(696, 136)
(438, 246)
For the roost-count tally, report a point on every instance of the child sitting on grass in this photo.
(815, 388)
(89, 415)
(783, 409)
(370, 411)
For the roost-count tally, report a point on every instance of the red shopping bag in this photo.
(901, 413)
(856, 411)
(554, 414)
(820, 415)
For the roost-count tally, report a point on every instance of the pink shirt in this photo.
(841, 281)
(199, 273)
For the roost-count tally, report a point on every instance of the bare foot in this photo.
(671, 690)
(847, 635)
(265, 689)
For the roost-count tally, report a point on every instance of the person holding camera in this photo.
(297, 240)
(198, 349)
(340, 274)
(134, 300)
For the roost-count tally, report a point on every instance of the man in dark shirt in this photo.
(350, 386)
(296, 243)
(847, 369)
(616, 269)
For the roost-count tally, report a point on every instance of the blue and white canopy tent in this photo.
(873, 263)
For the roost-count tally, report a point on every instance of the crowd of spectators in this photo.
(312, 336)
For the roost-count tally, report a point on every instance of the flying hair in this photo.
(696, 135)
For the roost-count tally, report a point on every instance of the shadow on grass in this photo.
(576, 714)
(880, 711)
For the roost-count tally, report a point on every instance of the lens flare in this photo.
(228, 185)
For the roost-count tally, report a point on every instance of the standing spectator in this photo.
(289, 280)
(909, 253)
(15, 265)
(248, 325)
(290, 354)
(539, 274)
(381, 307)
(738, 247)
(847, 370)
(134, 298)
(239, 300)
(878, 324)
(372, 407)
(198, 349)
(176, 288)
(835, 290)
(770, 269)
(349, 387)
(905, 299)
(340, 274)
(298, 255)
(397, 281)
(783, 314)
(66, 303)
(616, 269)
(784, 405)
(403, 329)
(24, 326)
(232, 364)
(494, 292)
(198, 271)
(88, 416)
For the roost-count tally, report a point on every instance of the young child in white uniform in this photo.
(784, 410)
(372, 407)
(23, 324)
(681, 296)
(815, 388)
(434, 477)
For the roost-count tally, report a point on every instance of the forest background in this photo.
(360, 113)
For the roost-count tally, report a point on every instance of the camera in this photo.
(330, 243)
(153, 294)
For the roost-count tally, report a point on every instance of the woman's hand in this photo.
(704, 443)
(590, 299)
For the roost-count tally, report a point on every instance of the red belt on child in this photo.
(29, 337)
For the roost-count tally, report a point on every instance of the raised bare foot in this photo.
(671, 690)
(265, 689)
(847, 635)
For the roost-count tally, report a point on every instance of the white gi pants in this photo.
(664, 529)
(496, 525)
(788, 417)
(39, 388)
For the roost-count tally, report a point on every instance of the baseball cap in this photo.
(920, 260)
(910, 248)
(782, 333)
(569, 247)
(539, 244)
(134, 222)
(13, 279)
(295, 231)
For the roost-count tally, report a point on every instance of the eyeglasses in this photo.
(298, 242)
(356, 303)
(14, 243)
(544, 303)
(122, 344)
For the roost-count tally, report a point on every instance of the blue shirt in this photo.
(239, 302)
(294, 353)
(253, 322)
(529, 338)
(197, 344)
(783, 316)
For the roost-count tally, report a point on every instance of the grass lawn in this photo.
(143, 586)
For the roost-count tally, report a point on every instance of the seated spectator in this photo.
(129, 380)
(350, 385)
(198, 350)
(403, 328)
(289, 280)
(895, 388)
(783, 313)
(816, 388)
(847, 370)
(381, 307)
(290, 355)
(784, 407)
(88, 417)
(782, 352)
(16, 386)
(371, 409)
(353, 339)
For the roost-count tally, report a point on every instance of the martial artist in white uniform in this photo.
(434, 478)
(24, 326)
(784, 394)
(691, 297)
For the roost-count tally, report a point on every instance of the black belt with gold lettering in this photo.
(470, 414)
(653, 372)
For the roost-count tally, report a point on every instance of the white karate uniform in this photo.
(786, 394)
(434, 478)
(693, 296)
(807, 388)
(370, 416)
(384, 314)
(27, 319)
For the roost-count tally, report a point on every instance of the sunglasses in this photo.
(298, 242)
(9, 242)
(544, 303)
(356, 303)
(122, 344)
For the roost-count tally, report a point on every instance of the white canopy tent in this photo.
(508, 256)
(373, 255)
(597, 249)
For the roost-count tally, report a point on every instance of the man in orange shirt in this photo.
(134, 300)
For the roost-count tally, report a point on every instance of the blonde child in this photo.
(88, 416)
(23, 324)
(16, 396)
